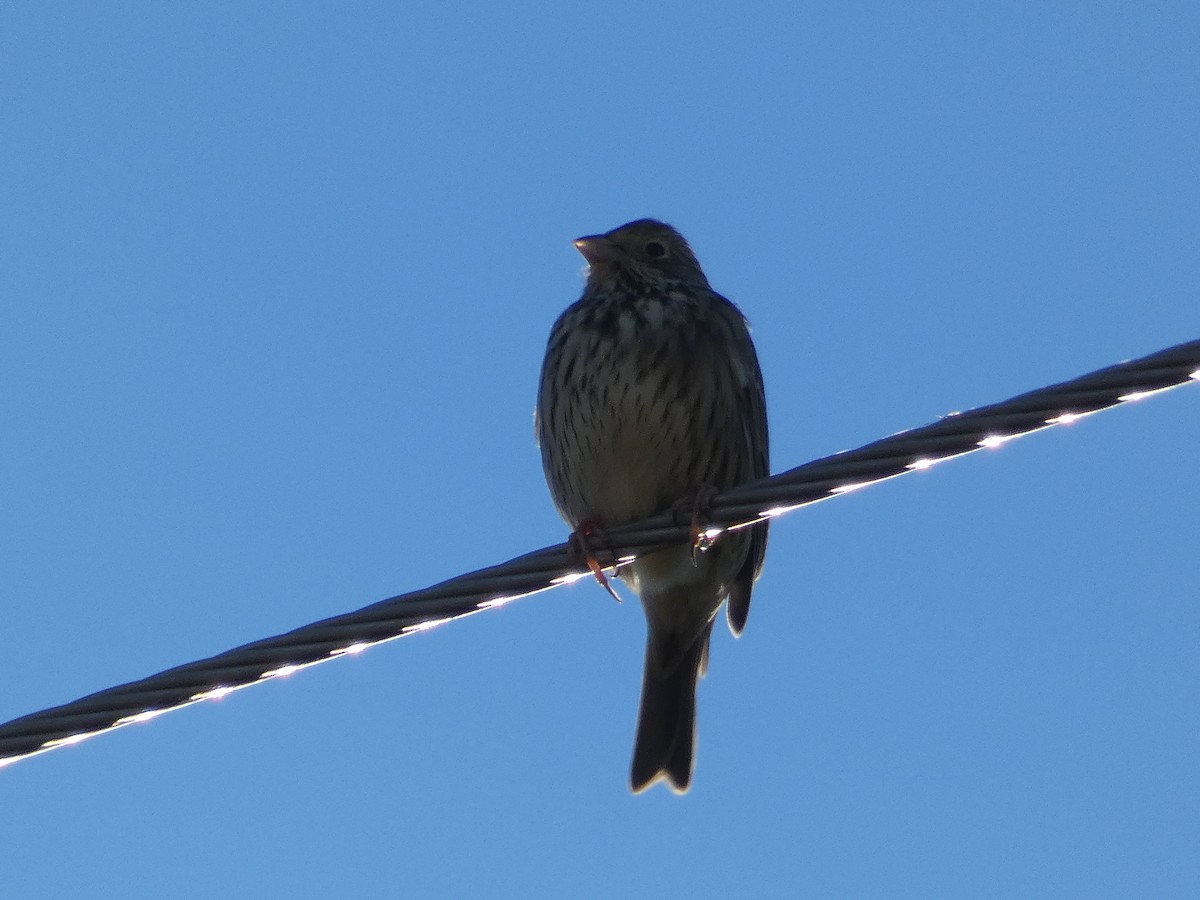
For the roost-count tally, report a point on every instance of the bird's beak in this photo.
(596, 248)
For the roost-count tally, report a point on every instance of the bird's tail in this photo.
(666, 730)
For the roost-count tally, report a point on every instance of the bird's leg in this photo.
(580, 542)
(697, 507)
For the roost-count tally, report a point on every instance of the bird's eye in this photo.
(655, 250)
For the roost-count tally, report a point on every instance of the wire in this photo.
(274, 657)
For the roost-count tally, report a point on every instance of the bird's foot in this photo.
(696, 507)
(581, 542)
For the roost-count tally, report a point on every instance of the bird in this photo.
(651, 399)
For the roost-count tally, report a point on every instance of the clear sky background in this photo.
(275, 283)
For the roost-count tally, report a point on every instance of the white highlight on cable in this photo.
(427, 625)
(572, 577)
(70, 739)
(1142, 395)
(215, 694)
(853, 486)
(497, 601)
(995, 440)
(776, 511)
(145, 716)
(923, 463)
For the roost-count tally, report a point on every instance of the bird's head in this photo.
(646, 250)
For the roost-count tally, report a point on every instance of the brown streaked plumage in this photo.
(651, 395)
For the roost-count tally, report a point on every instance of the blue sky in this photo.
(276, 280)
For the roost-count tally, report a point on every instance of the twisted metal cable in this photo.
(274, 657)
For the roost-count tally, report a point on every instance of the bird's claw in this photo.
(697, 505)
(580, 541)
